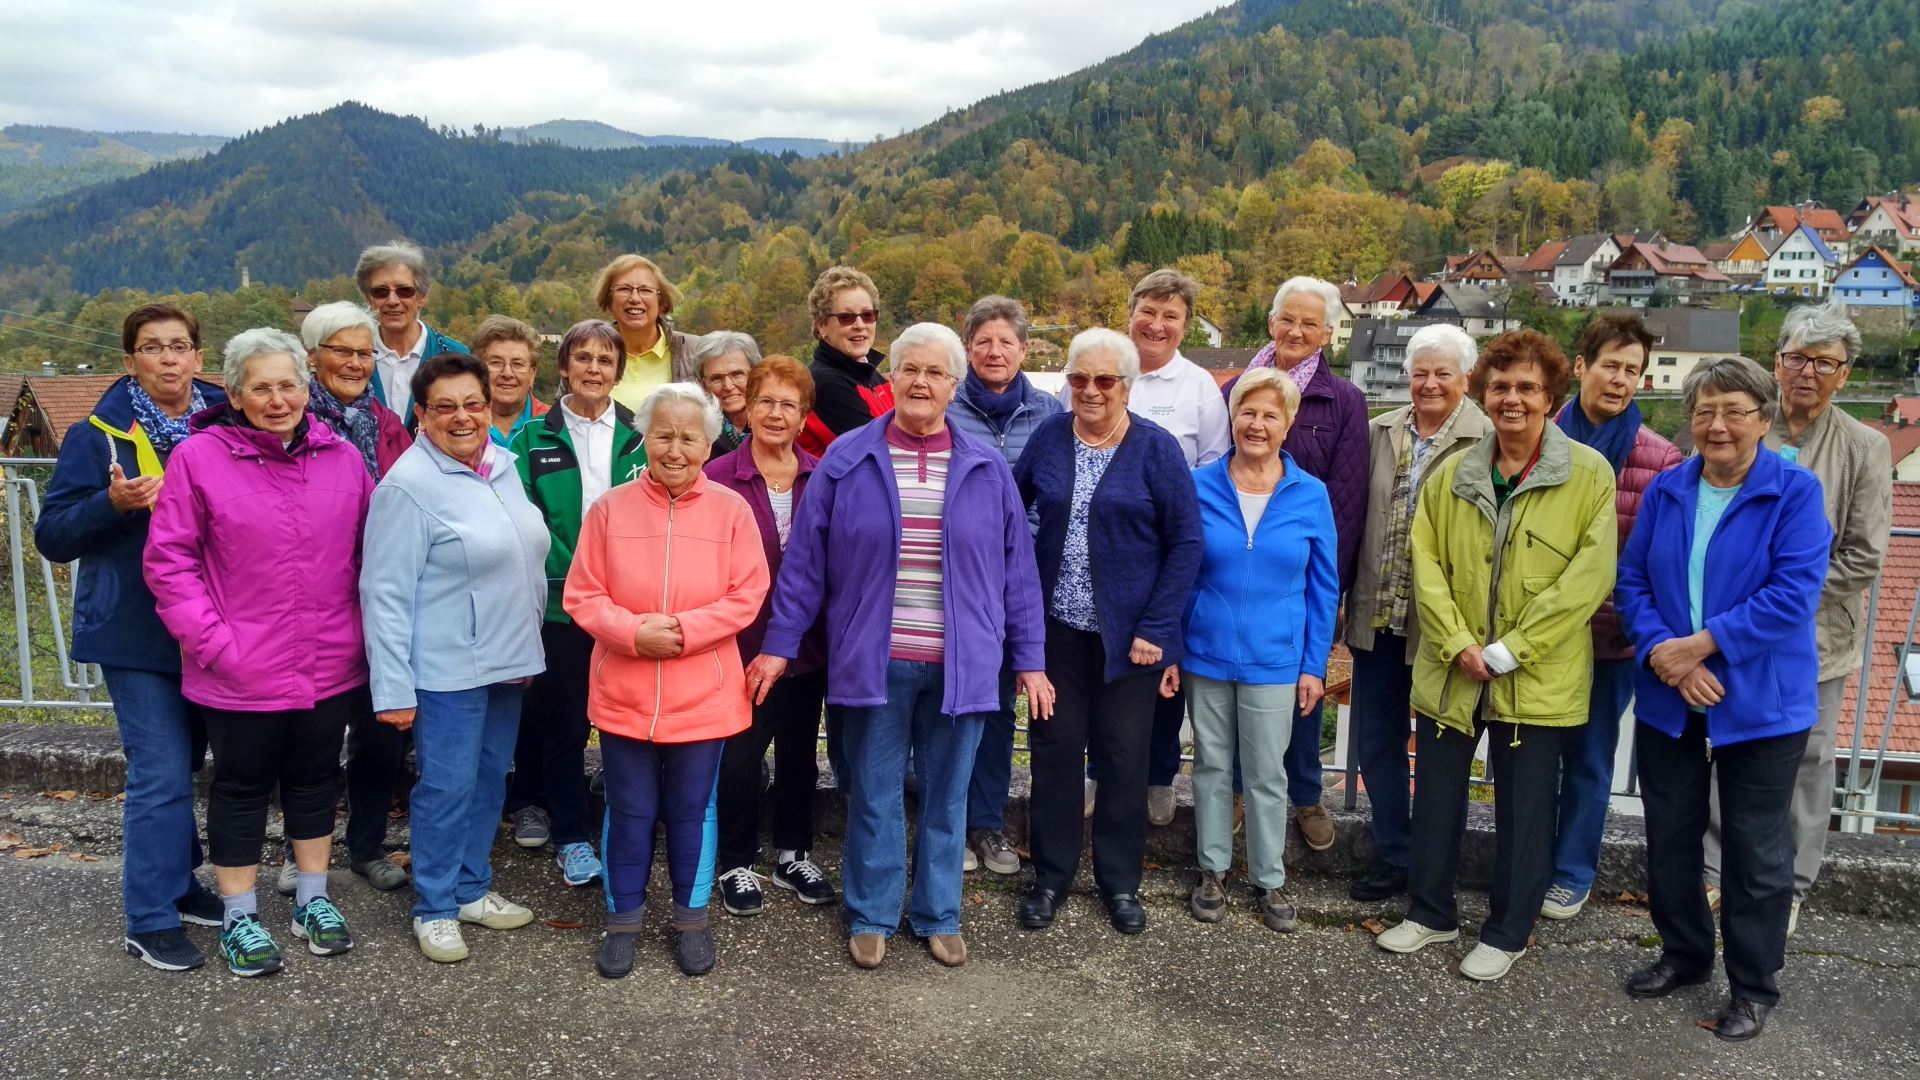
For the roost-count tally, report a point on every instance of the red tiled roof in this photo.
(1541, 261)
(1824, 220)
(67, 399)
(1718, 252)
(1423, 290)
(1899, 578)
(1907, 408)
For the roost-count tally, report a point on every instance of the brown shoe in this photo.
(1316, 826)
(867, 950)
(949, 949)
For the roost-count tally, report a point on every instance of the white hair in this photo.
(1446, 339)
(1818, 324)
(329, 319)
(1111, 342)
(932, 335)
(721, 343)
(1327, 292)
(249, 345)
(392, 253)
(678, 393)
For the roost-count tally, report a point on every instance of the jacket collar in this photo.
(503, 459)
(1473, 480)
(114, 410)
(869, 442)
(742, 468)
(1766, 477)
(866, 374)
(224, 422)
(1321, 385)
(1218, 472)
(1472, 423)
(656, 492)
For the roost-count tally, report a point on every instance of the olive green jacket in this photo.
(1555, 542)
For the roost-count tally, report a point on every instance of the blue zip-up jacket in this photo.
(1765, 566)
(1263, 610)
(1143, 534)
(1034, 408)
(114, 617)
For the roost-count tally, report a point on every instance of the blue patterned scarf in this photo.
(354, 423)
(163, 431)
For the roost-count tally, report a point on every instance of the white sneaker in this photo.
(1410, 937)
(495, 912)
(440, 940)
(1092, 787)
(1563, 903)
(1793, 918)
(1486, 963)
(970, 862)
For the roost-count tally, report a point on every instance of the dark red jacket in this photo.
(737, 472)
(1329, 440)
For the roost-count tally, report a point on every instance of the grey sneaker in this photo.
(993, 851)
(1209, 900)
(382, 875)
(1277, 911)
(288, 882)
(1160, 805)
(530, 827)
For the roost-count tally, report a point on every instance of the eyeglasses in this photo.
(1524, 389)
(344, 353)
(727, 378)
(1104, 382)
(1288, 322)
(518, 367)
(913, 373)
(1823, 365)
(1730, 415)
(631, 292)
(268, 391)
(448, 408)
(849, 318)
(177, 348)
(775, 405)
(404, 292)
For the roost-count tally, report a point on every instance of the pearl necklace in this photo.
(1118, 426)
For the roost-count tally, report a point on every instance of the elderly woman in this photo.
(849, 391)
(913, 543)
(393, 279)
(271, 649)
(511, 351)
(1258, 629)
(1001, 407)
(1854, 463)
(452, 598)
(96, 510)
(1118, 547)
(772, 476)
(1329, 441)
(1406, 445)
(568, 461)
(1718, 588)
(727, 359)
(1513, 550)
(639, 300)
(668, 571)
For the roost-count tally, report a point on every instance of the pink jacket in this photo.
(1651, 455)
(254, 558)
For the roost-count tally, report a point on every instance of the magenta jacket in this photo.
(254, 558)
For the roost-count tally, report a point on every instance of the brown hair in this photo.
(140, 317)
(1615, 328)
(786, 369)
(1165, 284)
(621, 267)
(592, 330)
(833, 281)
(1522, 347)
(498, 329)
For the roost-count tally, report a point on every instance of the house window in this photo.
(1667, 361)
(1486, 324)
(1895, 797)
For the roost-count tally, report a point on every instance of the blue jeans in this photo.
(1586, 777)
(463, 742)
(993, 762)
(1303, 757)
(877, 740)
(163, 748)
(1382, 721)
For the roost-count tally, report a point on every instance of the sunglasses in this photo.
(1103, 382)
(848, 318)
(404, 292)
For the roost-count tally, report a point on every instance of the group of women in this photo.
(696, 548)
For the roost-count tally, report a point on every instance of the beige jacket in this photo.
(1855, 467)
(1385, 435)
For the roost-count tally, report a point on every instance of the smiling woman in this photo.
(339, 338)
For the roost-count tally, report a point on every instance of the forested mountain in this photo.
(594, 135)
(1332, 137)
(38, 162)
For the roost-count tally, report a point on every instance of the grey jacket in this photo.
(1855, 467)
(1385, 434)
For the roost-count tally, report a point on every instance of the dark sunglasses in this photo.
(848, 318)
(1104, 382)
(404, 292)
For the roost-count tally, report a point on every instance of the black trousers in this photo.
(1756, 842)
(1111, 723)
(1525, 762)
(550, 753)
(789, 721)
(376, 757)
(297, 750)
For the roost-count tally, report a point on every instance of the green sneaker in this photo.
(322, 927)
(248, 948)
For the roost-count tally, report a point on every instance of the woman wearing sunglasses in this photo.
(848, 389)
(1118, 547)
(393, 278)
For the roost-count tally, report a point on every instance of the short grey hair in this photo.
(1101, 339)
(1729, 375)
(388, 254)
(1818, 324)
(1327, 292)
(719, 343)
(995, 309)
(1444, 338)
(250, 345)
(678, 393)
(932, 335)
(329, 319)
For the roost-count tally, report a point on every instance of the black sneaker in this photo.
(1379, 881)
(168, 950)
(740, 891)
(806, 880)
(694, 950)
(616, 955)
(201, 908)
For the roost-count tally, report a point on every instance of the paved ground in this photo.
(1181, 1000)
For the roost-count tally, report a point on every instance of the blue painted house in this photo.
(1878, 286)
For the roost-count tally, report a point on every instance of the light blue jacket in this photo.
(1034, 407)
(453, 582)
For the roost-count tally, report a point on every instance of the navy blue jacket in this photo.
(1765, 566)
(1033, 410)
(114, 620)
(1143, 538)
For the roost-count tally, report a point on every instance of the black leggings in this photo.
(296, 749)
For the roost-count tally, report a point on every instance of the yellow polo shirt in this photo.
(645, 372)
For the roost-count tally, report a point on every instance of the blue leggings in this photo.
(671, 783)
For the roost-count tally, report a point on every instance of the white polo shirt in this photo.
(592, 448)
(1183, 398)
(396, 371)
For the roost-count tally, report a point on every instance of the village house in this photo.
(1879, 292)
(1678, 272)
(1802, 265)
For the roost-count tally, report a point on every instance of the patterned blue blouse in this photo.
(1072, 601)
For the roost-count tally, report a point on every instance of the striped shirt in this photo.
(919, 613)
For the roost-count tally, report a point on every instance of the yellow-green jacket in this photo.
(1529, 574)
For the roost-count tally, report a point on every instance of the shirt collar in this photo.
(575, 420)
(660, 350)
(419, 343)
(1172, 369)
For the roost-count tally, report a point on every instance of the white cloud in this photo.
(728, 70)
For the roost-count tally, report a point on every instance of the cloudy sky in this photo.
(722, 68)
